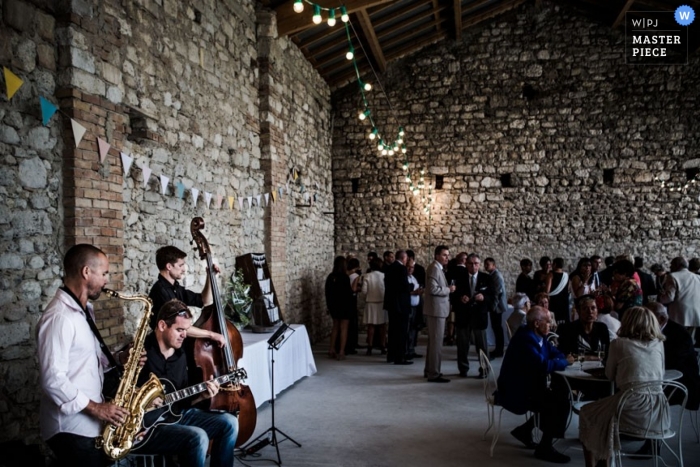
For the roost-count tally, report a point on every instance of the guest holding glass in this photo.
(628, 292)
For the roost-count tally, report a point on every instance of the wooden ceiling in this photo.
(383, 31)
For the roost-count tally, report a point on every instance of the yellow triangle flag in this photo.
(274, 195)
(12, 82)
(230, 202)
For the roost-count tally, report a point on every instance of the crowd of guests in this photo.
(640, 323)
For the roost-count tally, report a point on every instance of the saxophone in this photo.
(117, 441)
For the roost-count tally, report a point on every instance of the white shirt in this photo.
(415, 299)
(70, 362)
(613, 324)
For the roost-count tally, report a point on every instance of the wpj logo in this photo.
(657, 37)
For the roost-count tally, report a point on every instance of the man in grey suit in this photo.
(681, 293)
(500, 306)
(436, 308)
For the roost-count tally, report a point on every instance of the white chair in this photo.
(658, 435)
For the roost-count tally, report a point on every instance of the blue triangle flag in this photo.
(180, 190)
(47, 110)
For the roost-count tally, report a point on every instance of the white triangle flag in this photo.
(126, 163)
(163, 184)
(257, 198)
(240, 203)
(306, 197)
(207, 198)
(104, 148)
(78, 132)
(250, 201)
(267, 199)
(146, 174)
(195, 195)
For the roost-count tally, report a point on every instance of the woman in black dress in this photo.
(558, 289)
(339, 299)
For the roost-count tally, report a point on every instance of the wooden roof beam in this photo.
(290, 22)
(371, 36)
(457, 7)
(401, 12)
(469, 21)
(407, 23)
(621, 16)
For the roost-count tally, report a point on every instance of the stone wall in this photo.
(177, 85)
(467, 119)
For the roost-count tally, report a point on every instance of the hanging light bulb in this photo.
(298, 6)
(391, 152)
(380, 146)
(364, 114)
(384, 152)
(331, 17)
(368, 87)
(316, 18)
(400, 140)
(401, 132)
(344, 14)
(405, 165)
(351, 53)
(408, 178)
(403, 149)
(374, 133)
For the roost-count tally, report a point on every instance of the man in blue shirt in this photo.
(522, 385)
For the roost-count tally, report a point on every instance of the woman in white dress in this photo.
(375, 315)
(637, 356)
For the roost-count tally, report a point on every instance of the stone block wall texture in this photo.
(467, 120)
(177, 85)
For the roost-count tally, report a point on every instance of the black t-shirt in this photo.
(173, 368)
(163, 291)
(573, 339)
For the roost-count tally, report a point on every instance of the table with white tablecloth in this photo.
(293, 361)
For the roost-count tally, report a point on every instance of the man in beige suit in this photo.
(681, 292)
(436, 307)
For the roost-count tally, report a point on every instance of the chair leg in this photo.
(490, 412)
(497, 432)
(694, 424)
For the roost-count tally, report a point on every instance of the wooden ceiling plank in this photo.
(408, 34)
(328, 46)
(621, 16)
(340, 65)
(436, 12)
(290, 22)
(371, 36)
(410, 48)
(401, 12)
(331, 57)
(457, 11)
(328, 34)
(405, 24)
(470, 21)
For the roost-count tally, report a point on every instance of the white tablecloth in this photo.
(293, 361)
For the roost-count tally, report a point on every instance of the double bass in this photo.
(214, 361)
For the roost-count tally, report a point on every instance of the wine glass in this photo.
(581, 358)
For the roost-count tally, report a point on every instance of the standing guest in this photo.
(397, 303)
(339, 303)
(458, 276)
(500, 306)
(371, 256)
(171, 268)
(558, 289)
(659, 276)
(524, 283)
(681, 292)
(355, 272)
(72, 364)
(418, 322)
(628, 293)
(606, 276)
(596, 262)
(416, 293)
(521, 305)
(647, 280)
(522, 385)
(375, 314)
(388, 259)
(541, 277)
(435, 309)
(418, 271)
(582, 281)
(694, 265)
(477, 296)
(189, 437)
(637, 356)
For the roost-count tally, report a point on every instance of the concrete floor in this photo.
(363, 412)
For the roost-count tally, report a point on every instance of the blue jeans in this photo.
(189, 438)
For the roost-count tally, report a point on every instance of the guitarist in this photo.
(189, 436)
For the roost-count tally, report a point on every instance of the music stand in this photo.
(274, 343)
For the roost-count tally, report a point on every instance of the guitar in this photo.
(167, 415)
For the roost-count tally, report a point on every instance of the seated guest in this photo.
(521, 305)
(523, 385)
(637, 356)
(585, 335)
(628, 292)
(189, 437)
(605, 314)
(524, 283)
(542, 299)
(679, 354)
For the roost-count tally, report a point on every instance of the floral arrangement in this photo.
(238, 302)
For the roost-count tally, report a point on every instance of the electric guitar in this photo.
(167, 415)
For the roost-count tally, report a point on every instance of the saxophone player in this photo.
(189, 436)
(72, 363)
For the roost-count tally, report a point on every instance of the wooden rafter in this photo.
(324, 35)
(371, 36)
(290, 22)
(621, 16)
(457, 10)
(410, 8)
(471, 20)
(436, 12)
(408, 23)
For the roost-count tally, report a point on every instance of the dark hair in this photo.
(540, 296)
(411, 254)
(387, 253)
(558, 263)
(439, 249)
(79, 256)
(656, 267)
(609, 260)
(694, 264)
(372, 255)
(525, 262)
(375, 264)
(582, 262)
(595, 258)
(339, 265)
(168, 255)
(353, 263)
(489, 260)
(400, 254)
(544, 260)
(624, 267)
(638, 262)
(171, 310)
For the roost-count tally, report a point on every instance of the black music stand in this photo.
(274, 343)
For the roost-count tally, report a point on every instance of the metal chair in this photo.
(658, 435)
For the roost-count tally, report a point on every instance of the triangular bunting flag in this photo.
(303, 188)
(180, 190)
(78, 132)
(219, 198)
(163, 184)
(230, 202)
(104, 148)
(306, 197)
(281, 190)
(146, 170)
(207, 198)
(240, 203)
(12, 83)
(274, 196)
(250, 201)
(47, 110)
(126, 163)
(195, 195)
(257, 198)
(296, 174)
(267, 199)
(312, 199)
